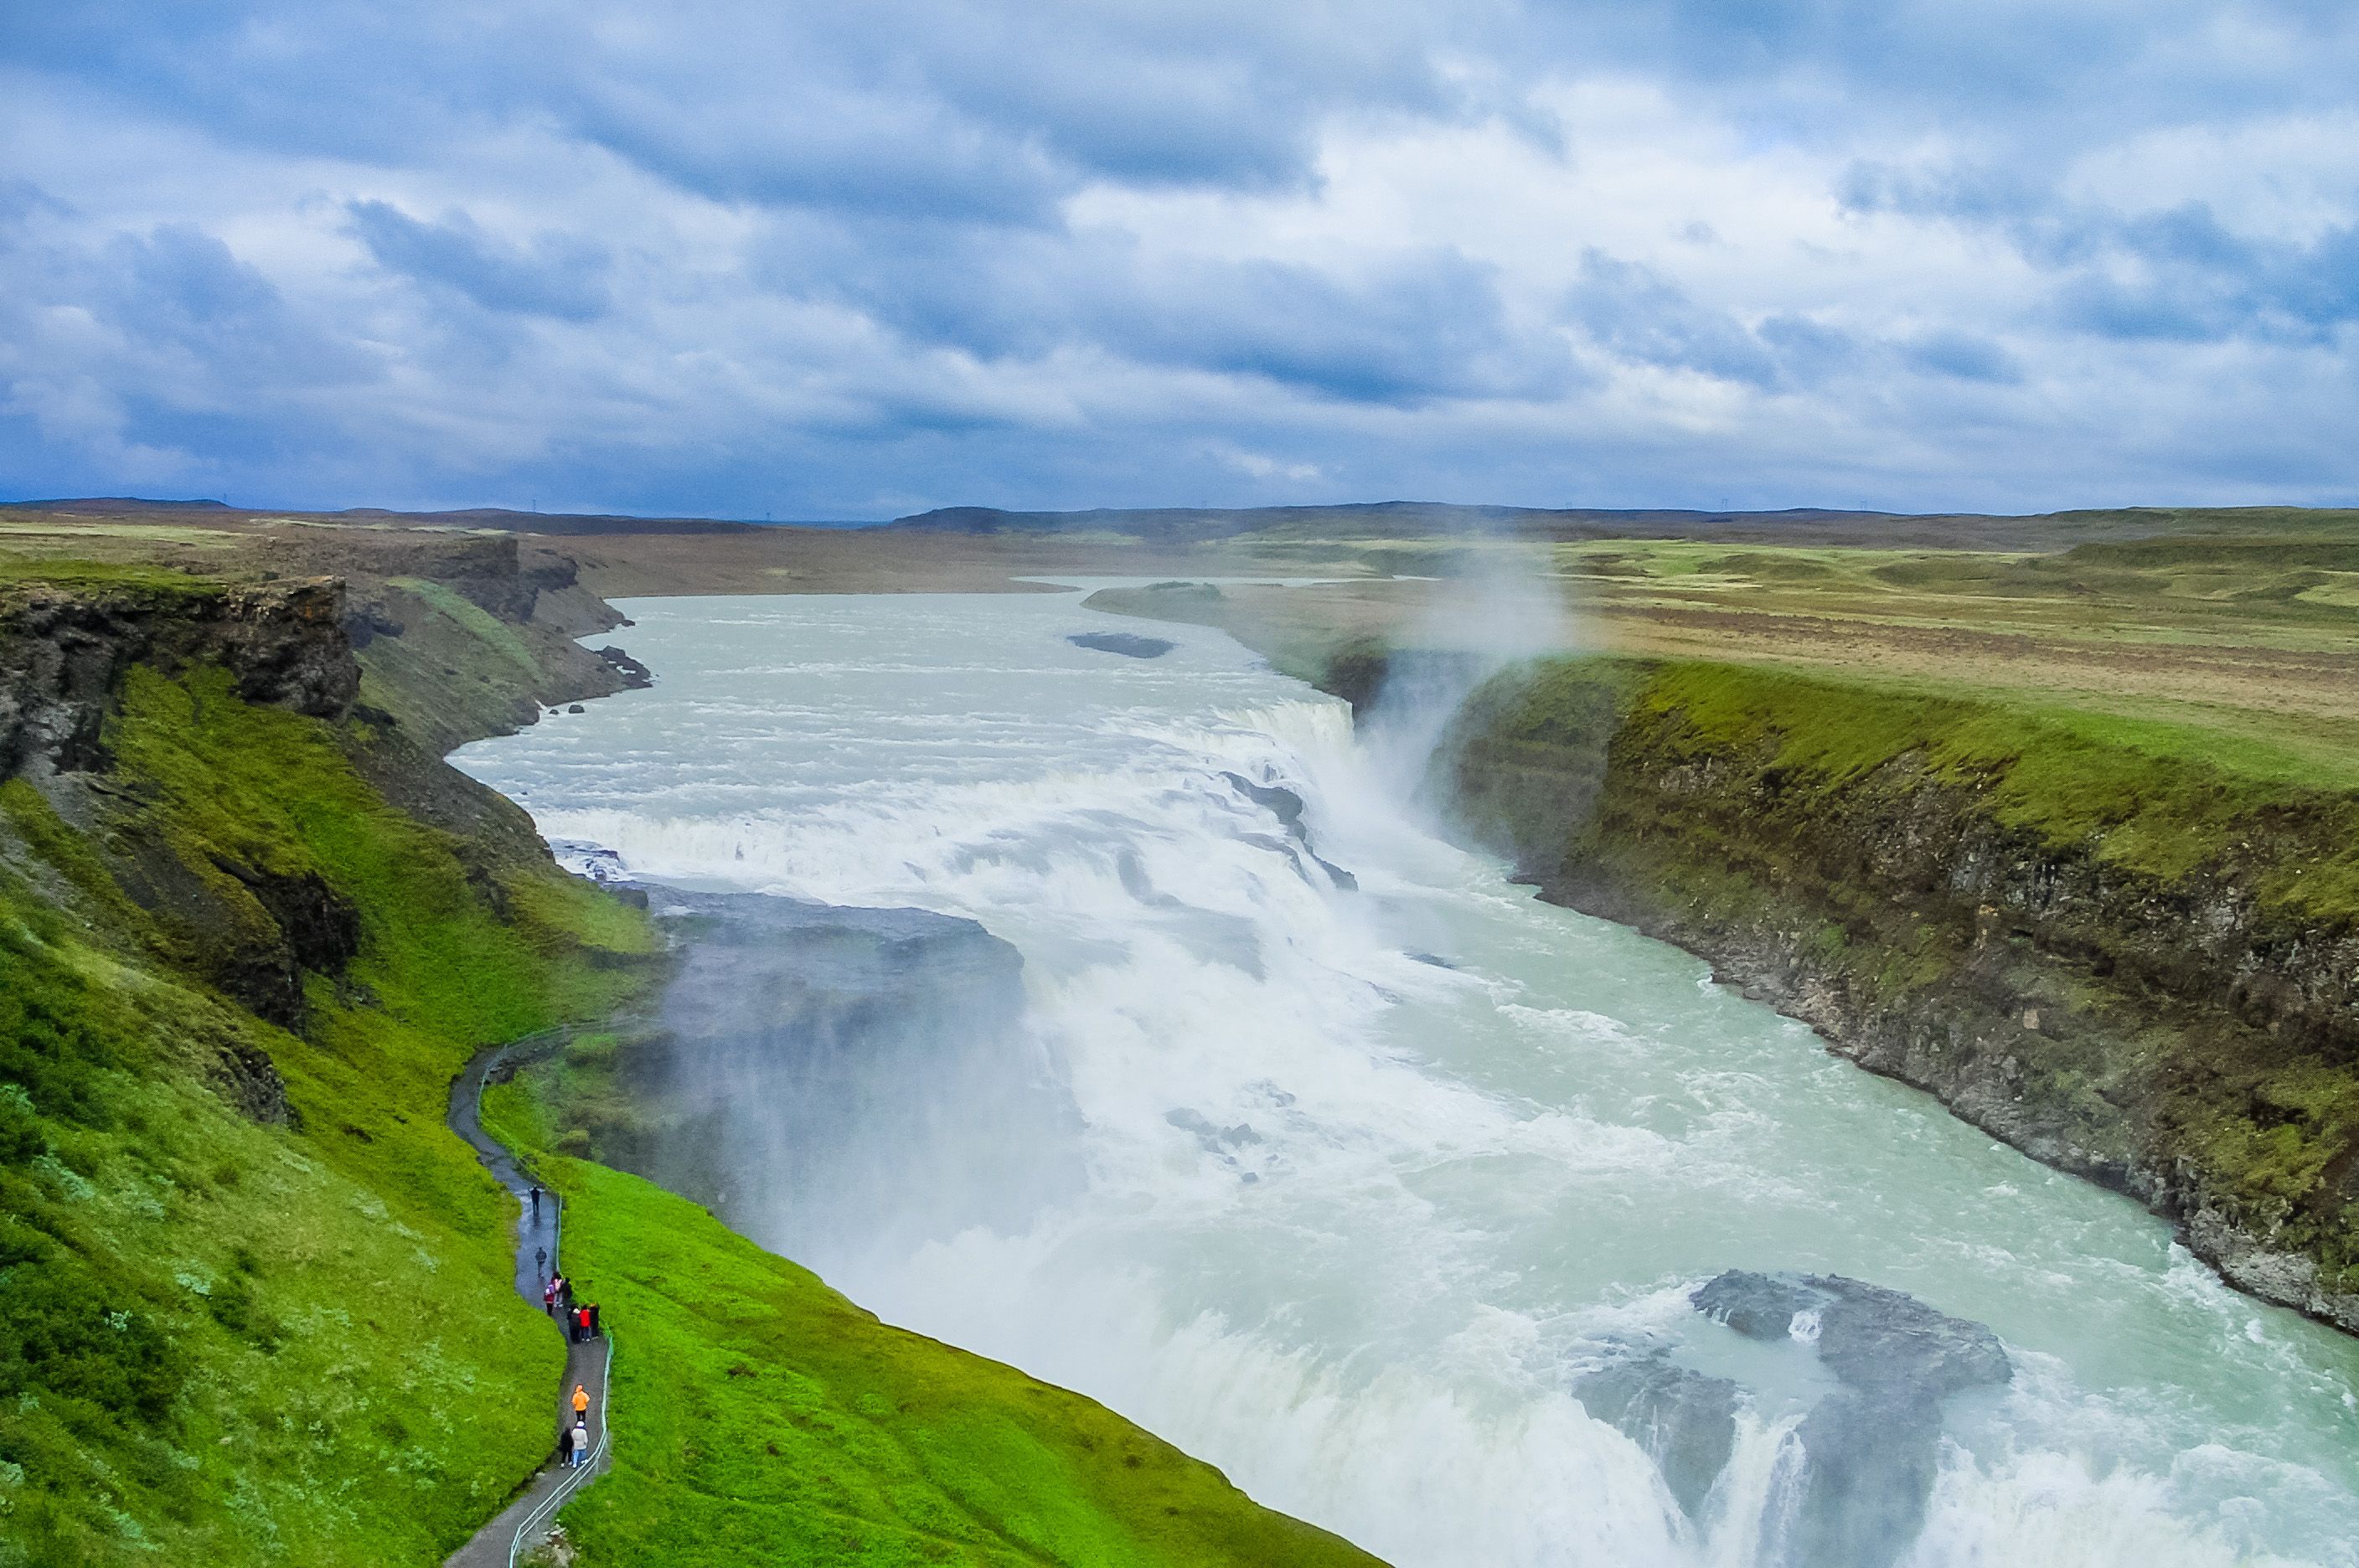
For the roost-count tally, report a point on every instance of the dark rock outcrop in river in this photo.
(1287, 807)
(1685, 1420)
(824, 1070)
(636, 675)
(1870, 1449)
(1859, 1467)
(1130, 645)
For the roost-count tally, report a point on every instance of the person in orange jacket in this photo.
(581, 1403)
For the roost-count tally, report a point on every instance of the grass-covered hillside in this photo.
(761, 1418)
(255, 1300)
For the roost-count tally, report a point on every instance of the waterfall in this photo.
(1359, 1159)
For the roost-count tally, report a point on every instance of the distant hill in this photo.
(567, 523)
(107, 506)
(1796, 526)
(570, 524)
(1360, 521)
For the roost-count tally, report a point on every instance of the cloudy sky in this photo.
(851, 260)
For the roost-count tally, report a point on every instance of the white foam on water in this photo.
(1352, 1221)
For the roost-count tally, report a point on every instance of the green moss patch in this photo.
(101, 577)
(2152, 797)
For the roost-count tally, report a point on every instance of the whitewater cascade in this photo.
(1318, 1148)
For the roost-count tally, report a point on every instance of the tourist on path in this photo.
(536, 1201)
(578, 1445)
(549, 1296)
(581, 1403)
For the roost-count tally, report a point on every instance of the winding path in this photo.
(524, 1522)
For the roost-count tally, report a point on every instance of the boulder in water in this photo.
(1868, 1336)
(1279, 802)
(635, 675)
(1758, 1306)
(1215, 1140)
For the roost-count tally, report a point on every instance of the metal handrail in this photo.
(587, 1471)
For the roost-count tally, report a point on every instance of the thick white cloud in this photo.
(855, 260)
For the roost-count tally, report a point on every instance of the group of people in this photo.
(581, 1321)
(581, 1318)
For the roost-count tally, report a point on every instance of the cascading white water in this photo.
(1370, 1177)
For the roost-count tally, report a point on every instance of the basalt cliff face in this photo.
(2135, 968)
(64, 651)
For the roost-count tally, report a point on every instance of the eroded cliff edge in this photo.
(2140, 968)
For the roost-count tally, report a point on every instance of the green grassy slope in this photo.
(760, 1417)
(238, 1328)
(457, 671)
(2149, 797)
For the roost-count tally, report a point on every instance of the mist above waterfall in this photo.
(1503, 607)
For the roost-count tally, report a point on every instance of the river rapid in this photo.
(1345, 1188)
